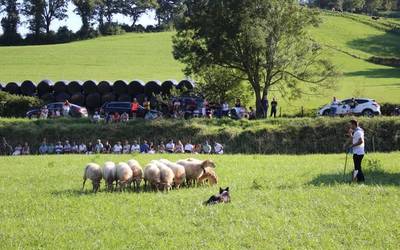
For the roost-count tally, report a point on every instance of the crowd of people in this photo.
(125, 147)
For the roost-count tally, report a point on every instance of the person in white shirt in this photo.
(117, 149)
(82, 148)
(126, 149)
(170, 147)
(189, 148)
(334, 106)
(96, 117)
(358, 149)
(225, 108)
(135, 147)
(218, 148)
(179, 147)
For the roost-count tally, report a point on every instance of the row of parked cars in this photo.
(365, 107)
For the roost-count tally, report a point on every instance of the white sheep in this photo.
(137, 173)
(152, 176)
(195, 169)
(166, 176)
(124, 175)
(109, 174)
(93, 173)
(179, 172)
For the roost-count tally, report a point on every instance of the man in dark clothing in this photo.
(265, 105)
(353, 104)
(274, 105)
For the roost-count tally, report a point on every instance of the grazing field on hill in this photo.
(278, 201)
(131, 56)
(149, 57)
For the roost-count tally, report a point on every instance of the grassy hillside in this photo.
(148, 56)
(130, 56)
(277, 202)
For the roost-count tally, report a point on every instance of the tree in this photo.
(107, 9)
(10, 22)
(372, 5)
(219, 84)
(135, 8)
(86, 10)
(34, 10)
(389, 4)
(168, 10)
(54, 9)
(353, 5)
(265, 41)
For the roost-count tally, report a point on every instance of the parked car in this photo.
(75, 110)
(120, 107)
(365, 107)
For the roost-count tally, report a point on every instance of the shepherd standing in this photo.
(358, 149)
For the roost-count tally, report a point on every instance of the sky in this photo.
(74, 21)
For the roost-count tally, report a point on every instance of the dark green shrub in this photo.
(16, 105)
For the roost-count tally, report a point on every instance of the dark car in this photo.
(120, 107)
(75, 110)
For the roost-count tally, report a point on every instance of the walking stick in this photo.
(345, 165)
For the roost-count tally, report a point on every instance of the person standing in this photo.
(265, 106)
(357, 147)
(334, 106)
(66, 108)
(274, 105)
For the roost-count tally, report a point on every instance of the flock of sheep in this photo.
(157, 175)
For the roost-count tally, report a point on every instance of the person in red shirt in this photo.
(134, 107)
(116, 117)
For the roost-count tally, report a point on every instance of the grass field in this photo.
(149, 57)
(278, 201)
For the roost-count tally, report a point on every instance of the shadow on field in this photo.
(377, 73)
(381, 45)
(71, 193)
(371, 178)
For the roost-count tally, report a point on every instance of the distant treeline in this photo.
(361, 6)
(40, 14)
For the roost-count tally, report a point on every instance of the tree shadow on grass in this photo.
(380, 45)
(372, 177)
(377, 73)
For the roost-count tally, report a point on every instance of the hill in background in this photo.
(349, 41)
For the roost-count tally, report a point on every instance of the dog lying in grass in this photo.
(222, 197)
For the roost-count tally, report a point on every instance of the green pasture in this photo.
(278, 201)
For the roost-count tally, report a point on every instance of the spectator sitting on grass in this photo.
(252, 114)
(107, 148)
(197, 149)
(67, 147)
(43, 148)
(17, 150)
(89, 148)
(96, 117)
(144, 148)
(98, 148)
(74, 148)
(170, 147)
(58, 148)
(206, 148)
(225, 109)
(126, 148)
(82, 148)
(124, 117)
(50, 149)
(116, 117)
(117, 149)
(218, 148)
(135, 148)
(152, 148)
(25, 149)
(188, 148)
(238, 104)
(179, 147)
(161, 148)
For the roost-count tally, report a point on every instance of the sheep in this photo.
(137, 173)
(194, 169)
(166, 176)
(109, 174)
(92, 172)
(210, 176)
(179, 172)
(152, 176)
(124, 175)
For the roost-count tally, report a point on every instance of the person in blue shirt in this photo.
(144, 148)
